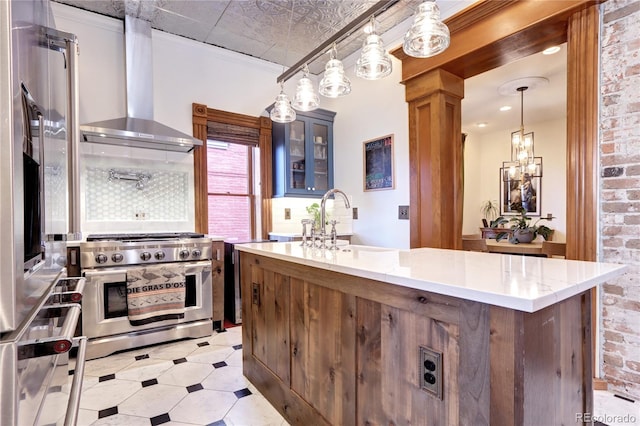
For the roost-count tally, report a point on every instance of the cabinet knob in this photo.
(308, 188)
(313, 188)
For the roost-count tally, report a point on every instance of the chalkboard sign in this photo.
(378, 164)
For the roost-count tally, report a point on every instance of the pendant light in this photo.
(306, 98)
(428, 35)
(282, 111)
(374, 62)
(334, 83)
(523, 160)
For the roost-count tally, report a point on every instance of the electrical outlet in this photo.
(430, 371)
(287, 213)
(403, 212)
(354, 212)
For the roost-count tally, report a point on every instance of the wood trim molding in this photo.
(490, 33)
(582, 134)
(201, 115)
(435, 159)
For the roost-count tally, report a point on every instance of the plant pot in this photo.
(523, 235)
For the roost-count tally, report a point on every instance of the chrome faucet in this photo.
(323, 225)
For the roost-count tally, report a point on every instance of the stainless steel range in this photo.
(143, 289)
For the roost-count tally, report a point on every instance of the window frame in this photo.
(201, 114)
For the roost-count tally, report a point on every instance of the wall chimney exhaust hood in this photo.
(138, 129)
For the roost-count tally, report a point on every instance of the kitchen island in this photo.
(369, 335)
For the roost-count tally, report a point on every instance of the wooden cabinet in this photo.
(217, 282)
(303, 155)
(327, 348)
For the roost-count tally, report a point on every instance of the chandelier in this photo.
(523, 162)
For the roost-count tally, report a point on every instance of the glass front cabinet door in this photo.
(303, 155)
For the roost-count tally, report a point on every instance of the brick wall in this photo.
(620, 194)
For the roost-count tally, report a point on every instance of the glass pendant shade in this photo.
(334, 83)
(306, 98)
(374, 62)
(428, 35)
(282, 111)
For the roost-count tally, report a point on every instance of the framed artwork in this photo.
(378, 164)
(519, 193)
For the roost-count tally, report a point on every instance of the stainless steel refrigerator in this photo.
(38, 165)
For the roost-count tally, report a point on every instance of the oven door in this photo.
(104, 304)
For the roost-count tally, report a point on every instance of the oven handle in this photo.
(203, 264)
(73, 407)
(102, 273)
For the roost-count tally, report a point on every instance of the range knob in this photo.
(117, 257)
(101, 258)
(145, 255)
(196, 253)
(159, 255)
(184, 254)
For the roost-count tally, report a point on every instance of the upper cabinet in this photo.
(303, 155)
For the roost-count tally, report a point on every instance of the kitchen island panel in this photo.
(558, 338)
(354, 353)
(270, 312)
(403, 401)
(323, 350)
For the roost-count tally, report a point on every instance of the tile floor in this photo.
(188, 382)
(200, 382)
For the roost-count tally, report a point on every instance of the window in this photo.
(219, 128)
(231, 190)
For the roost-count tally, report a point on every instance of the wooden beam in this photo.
(489, 34)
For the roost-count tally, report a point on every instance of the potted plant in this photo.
(522, 229)
(489, 209)
(314, 211)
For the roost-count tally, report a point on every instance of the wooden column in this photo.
(435, 159)
(266, 174)
(583, 34)
(582, 134)
(199, 112)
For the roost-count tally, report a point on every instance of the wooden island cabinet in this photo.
(339, 337)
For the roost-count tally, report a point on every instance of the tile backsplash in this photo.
(298, 207)
(163, 202)
(122, 200)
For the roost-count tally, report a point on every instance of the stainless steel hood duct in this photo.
(138, 129)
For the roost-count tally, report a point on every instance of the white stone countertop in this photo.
(523, 283)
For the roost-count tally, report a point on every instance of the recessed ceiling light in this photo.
(482, 124)
(551, 50)
(505, 108)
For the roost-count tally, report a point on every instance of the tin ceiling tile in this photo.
(258, 28)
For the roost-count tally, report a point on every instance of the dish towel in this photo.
(155, 293)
